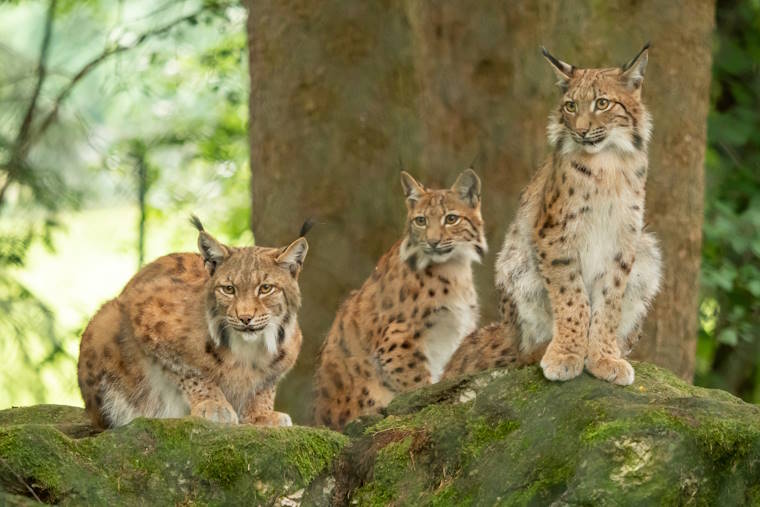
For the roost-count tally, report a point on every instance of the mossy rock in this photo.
(514, 438)
(497, 438)
(156, 462)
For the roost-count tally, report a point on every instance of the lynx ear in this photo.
(563, 70)
(412, 189)
(633, 71)
(467, 186)
(292, 257)
(212, 251)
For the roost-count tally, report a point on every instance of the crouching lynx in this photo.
(398, 331)
(207, 335)
(577, 269)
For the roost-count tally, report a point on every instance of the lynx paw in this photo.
(283, 419)
(559, 366)
(221, 412)
(270, 419)
(612, 369)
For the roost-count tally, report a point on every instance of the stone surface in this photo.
(497, 438)
(156, 462)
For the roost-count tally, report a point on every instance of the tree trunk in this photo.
(341, 90)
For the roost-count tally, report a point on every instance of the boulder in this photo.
(496, 438)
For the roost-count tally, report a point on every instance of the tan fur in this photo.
(206, 335)
(577, 269)
(398, 331)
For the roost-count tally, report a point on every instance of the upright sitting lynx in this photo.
(208, 335)
(577, 270)
(398, 331)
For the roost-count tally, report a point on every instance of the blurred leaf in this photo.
(728, 336)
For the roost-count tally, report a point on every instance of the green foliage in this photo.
(729, 341)
(138, 102)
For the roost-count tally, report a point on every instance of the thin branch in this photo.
(99, 59)
(20, 479)
(23, 132)
(5, 186)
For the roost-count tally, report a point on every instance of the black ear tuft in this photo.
(563, 70)
(306, 227)
(630, 63)
(196, 222)
(212, 251)
(633, 71)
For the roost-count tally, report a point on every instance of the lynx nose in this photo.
(583, 132)
(433, 242)
(245, 319)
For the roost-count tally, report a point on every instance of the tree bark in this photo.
(340, 90)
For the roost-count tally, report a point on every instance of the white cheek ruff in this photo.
(214, 324)
(258, 348)
(554, 130)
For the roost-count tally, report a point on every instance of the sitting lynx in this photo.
(208, 335)
(398, 331)
(577, 270)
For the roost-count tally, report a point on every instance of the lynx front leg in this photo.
(207, 400)
(260, 410)
(604, 359)
(565, 354)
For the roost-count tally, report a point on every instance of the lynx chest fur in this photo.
(399, 330)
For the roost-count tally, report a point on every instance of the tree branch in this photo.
(22, 137)
(99, 59)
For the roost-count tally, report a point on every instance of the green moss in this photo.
(614, 428)
(166, 462)
(43, 414)
(515, 438)
(392, 465)
(223, 466)
(727, 439)
(9, 500)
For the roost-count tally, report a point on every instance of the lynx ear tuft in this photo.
(196, 223)
(563, 70)
(306, 227)
(633, 71)
(212, 251)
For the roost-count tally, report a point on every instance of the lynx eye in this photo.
(571, 106)
(265, 289)
(420, 220)
(602, 104)
(228, 289)
(451, 219)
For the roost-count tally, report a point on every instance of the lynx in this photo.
(399, 329)
(206, 335)
(577, 269)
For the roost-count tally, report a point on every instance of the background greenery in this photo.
(728, 352)
(156, 128)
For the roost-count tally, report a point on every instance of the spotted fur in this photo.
(399, 329)
(577, 269)
(208, 335)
